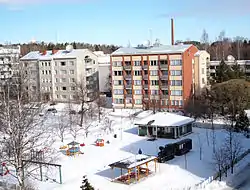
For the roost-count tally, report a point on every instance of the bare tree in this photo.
(75, 130)
(107, 125)
(100, 102)
(81, 96)
(205, 40)
(220, 160)
(200, 144)
(23, 130)
(62, 126)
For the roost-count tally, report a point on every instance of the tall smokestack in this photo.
(172, 31)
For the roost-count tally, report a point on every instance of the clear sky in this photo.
(117, 21)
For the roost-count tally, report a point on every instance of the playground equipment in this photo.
(99, 142)
(4, 170)
(63, 147)
(73, 149)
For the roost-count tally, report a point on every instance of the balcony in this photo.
(128, 86)
(145, 77)
(128, 77)
(127, 67)
(145, 86)
(164, 66)
(145, 67)
(164, 86)
(145, 96)
(129, 95)
(164, 96)
(164, 77)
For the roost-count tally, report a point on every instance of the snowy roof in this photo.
(60, 54)
(133, 161)
(198, 53)
(164, 49)
(165, 119)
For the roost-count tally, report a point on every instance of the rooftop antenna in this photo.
(129, 44)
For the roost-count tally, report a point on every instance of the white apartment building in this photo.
(9, 58)
(53, 75)
(244, 65)
(104, 71)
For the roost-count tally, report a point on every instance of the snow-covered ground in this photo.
(175, 174)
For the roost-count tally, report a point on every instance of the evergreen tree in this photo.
(85, 184)
(242, 122)
(222, 73)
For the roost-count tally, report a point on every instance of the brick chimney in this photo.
(172, 31)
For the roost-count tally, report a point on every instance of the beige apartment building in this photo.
(201, 70)
(160, 76)
(53, 75)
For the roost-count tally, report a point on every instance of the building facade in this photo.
(244, 65)
(55, 75)
(201, 70)
(104, 71)
(9, 59)
(160, 77)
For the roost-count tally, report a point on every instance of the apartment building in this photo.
(160, 77)
(201, 70)
(230, 60)
(104, 71)
(9, 58)
(53, 75)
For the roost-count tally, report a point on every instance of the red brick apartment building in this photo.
(160, 77)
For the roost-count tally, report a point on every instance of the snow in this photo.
(176, 174)
(166, 119)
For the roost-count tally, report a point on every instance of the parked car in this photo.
(52, 103)
(72, 112)
(53, 110)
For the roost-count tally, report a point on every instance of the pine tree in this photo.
(242, 122)
(85, 184)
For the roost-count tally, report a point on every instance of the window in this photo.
(118, 82)
(203, 81)
(49, 71)
(154, 82)
(137, 92)
(129, 101)
(117, 73)
(118, 91)
(72, 63)
(72, 80)
(117, 63)
(176, 73)
(137, 73)
(63, 63)
(137, 63)
(180, 103)
(153, 63)
(119, 101)
(55, 63)
(203, 71)
(57, 88)
(57, 79)
(43, 72)
(176, 93)
(176, 62)
(176, 82)
(72, 72)
(163, 102)
(154, 73)
(63, 71)
(57, 96)
(63, 80)
(49, 64)
(73, 88)
(163, 62)
(154, 92)
(45, 63)
(138, 101)
(64, 96)
(56, 72)
(64, 88)
(46, 72)
(137, 83)
(172, 102)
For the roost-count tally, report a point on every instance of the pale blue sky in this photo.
(117, 21)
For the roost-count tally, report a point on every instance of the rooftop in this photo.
(163, 49)
(132, 161)
(48, 55)
(165, 119)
